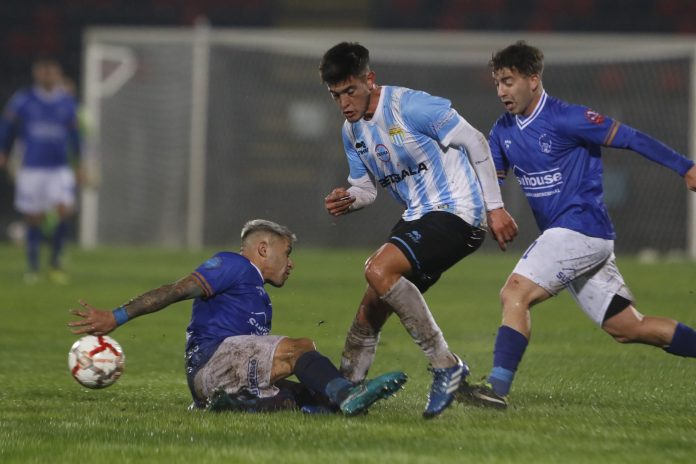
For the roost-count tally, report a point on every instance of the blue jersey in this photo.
(235, 303)
(404, 148)
(47, 124)
(555, 155)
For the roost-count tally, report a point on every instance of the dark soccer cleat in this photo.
(220, 401)
(244, 401)
(480, 394)
(446, 381)
(363, 395)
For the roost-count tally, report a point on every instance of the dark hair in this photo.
(342, 61)
(526, 59)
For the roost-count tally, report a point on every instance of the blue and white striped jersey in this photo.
(404, 149)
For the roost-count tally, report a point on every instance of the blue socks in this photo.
(509, 349)
(34, 238)
(33, 247)
(59, 236)
(683, 342)
(319, 374)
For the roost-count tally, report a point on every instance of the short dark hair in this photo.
(343, 61)
(526, 59)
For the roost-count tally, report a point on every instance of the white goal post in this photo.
(194, 131)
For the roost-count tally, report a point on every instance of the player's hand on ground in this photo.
(502, 226)
(690, 178)
(338, 201)
(93, 321)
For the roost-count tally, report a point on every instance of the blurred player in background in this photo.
(554, 150)
(44, 118)
(439, 167)
(232, 363)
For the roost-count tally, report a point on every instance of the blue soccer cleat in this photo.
(446, 381)
(363, 395)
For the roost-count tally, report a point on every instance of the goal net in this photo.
(196, 131)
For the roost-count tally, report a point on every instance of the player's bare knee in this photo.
(512, 299)
(376, 276)
(372, 270)
(302, 346)
(621, 336)
(622, 332)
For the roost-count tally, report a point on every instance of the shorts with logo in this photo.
(40, 189)
(434, 243)
(563, 258)
(241, 363)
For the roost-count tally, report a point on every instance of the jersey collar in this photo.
(46, 95)
(523, 122)
(257, 270)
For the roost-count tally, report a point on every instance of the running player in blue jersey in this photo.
(434, 163)
(554, 150)
(44, 117)
(232, 363)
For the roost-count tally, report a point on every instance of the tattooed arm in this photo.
(100, 322)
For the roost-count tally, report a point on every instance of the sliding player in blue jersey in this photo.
(44, 118)
(554, 150)
(232, 363)
(434, 163)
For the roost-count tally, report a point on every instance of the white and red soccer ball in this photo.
(96, 361)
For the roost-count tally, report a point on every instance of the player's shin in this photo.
(408, 303)
(58, 240)
(33, 245)
(359, 351)
(318, 373)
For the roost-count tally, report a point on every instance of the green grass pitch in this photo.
(578, 397)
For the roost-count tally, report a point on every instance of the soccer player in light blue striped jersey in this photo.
(554, 150)
(434, 163)
(44, 117)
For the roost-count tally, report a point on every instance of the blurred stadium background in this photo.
(194, 131)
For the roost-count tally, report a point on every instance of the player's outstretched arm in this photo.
(690, 179)
(502, 226)
(100, 322)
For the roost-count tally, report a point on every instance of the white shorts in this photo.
(241, 362)
(40, 189)
(562, 258)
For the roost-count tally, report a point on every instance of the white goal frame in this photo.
(433, 47)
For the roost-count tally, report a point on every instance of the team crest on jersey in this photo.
(593, 116)
(545, 143)
(382, 152)
(396, 135)
(212, 263)
(507, 143)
